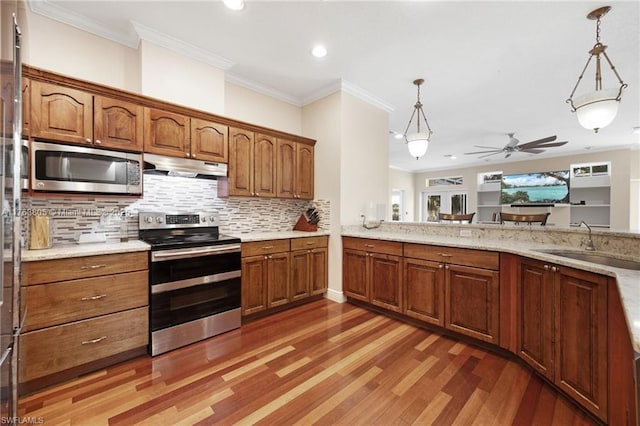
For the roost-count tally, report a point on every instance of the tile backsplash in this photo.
(73, 216)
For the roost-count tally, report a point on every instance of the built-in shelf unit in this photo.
(590, 194)
(488, 202)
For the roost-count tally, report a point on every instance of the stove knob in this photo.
(203, 219)
(159, 219)
(212, 218)
(148, 219)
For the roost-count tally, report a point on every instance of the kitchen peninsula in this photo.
(573, 322)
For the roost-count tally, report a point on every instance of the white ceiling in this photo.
(490, 68)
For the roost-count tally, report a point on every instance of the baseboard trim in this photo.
(336, 296)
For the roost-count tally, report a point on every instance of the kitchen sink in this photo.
(600, 259)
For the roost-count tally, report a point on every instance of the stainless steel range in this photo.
(194, 278)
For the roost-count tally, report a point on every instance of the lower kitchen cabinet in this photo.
(562, 329)
(372, 272)
(74, 311)
(278, 272)
(424, 290)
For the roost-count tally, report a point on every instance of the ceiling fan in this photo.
(514, 145)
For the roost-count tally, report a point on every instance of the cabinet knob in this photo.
(98, 141)
(546, 267)
(187, 154)
(193, 156)
(266, 257)
(440, 266)
(88, 140)
(446, 267)
(270, 257)
(555, 269)
(257, 194)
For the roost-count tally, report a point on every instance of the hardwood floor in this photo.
(321, 363)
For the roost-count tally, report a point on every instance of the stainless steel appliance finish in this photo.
(194, 278)
(9, 159)
(67, 168)
(184, 166)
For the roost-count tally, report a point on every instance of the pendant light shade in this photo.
(418, 142)
(597, 109)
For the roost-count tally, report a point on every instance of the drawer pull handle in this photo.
(445, 255)
(267, 247)
(369, 245)
(91, 342)
(98, 297)
(102, 265)
(310, 243)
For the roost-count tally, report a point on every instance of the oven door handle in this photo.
(192, 282)
(160, 256)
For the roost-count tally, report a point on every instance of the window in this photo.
(434, 202)
(397, 205)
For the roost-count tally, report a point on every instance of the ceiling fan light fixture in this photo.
(234, 4)
(418, 142)
(597, 109)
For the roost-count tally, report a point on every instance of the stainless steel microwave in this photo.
(67, 168)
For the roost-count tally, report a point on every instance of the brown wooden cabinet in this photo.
(372, 272)
(278, 272)
(562, 329)
(455, 288)
(209, 141)
(264, 160)
(75, 308)
(166, 133)
(308, 267)
(294, 170)
(71, 115)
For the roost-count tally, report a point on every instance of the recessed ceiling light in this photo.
(234, 4)
(319, 51)
(453, 157)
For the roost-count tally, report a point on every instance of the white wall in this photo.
(403, 181)
(365, 159)
(620, 178)
(247, 105)
(321, 121)
(177, 79)
(63, 49)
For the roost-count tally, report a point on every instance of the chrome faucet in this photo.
(588, 244)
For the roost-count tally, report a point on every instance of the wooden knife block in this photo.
(303, 225)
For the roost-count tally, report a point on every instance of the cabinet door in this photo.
(118, 124)
(209, 141)
(166, 133)
(424, 290)
(471, 302)
(319, 265)
(254, 284)
(535, 316)
(278, 271)
(386, 281)
(240, 162)
(286, 169)
(304, 172)
(581, 337)
(301, 274)
(60, 113)
(354, 274)
(264, 161)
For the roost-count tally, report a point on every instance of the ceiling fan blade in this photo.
(508, 155)
(532, 150)
(546, 145)
(495, 151)
(488, 155)
(539, 141)
(488, 147)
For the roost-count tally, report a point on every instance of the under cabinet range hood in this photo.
(183, 167)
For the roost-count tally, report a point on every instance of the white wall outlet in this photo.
(465, 232)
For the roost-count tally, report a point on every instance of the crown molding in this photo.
(350, 88)
(178, 46)
(240, 81)
(66, 16)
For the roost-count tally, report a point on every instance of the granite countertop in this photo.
(628, 280)
(79, 250)
(277, 235)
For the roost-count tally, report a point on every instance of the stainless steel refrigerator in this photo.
(10, 191)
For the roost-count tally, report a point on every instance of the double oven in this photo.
(194, 277)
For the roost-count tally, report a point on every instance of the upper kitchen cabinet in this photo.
(294, 170)
(166, 133)
(252, 158)
(70, 115)
(177, 135)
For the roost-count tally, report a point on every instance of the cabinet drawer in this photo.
(59, 348)
(458, 256)
(58, 303)
(375, 246)
(47, 271)
(308, 243)
(257, 248)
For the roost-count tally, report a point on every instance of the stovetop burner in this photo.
(165, 231)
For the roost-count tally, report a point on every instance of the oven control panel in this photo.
(163, 220)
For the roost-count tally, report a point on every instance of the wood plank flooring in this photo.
(322, 363)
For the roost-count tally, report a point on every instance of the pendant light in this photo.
(598, 108)
(418, 142)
